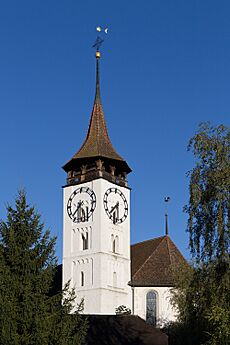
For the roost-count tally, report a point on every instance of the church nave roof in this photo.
(151, 262)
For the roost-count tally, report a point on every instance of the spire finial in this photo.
(97, 94)
(97, 44)
(166, 200)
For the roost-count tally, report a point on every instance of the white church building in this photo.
(98, 259)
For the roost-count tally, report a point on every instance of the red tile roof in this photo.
(151, 262)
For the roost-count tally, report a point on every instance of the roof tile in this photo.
(151, 262)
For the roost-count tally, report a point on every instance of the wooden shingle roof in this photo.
(97, 143)
(151, 262)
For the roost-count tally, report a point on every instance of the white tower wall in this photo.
(103, 273)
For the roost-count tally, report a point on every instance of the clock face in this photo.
(81, 204)
(115, 205)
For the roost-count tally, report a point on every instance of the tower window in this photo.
(151, 308)
(82, 278)
(112, 244)
(114, 279)
(85, 240)
(115, 244)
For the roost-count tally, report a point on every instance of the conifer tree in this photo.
(29, 315)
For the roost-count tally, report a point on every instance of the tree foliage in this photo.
(201, 294)
(209, 204)
(28, 313)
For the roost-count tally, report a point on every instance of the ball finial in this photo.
(98, 54)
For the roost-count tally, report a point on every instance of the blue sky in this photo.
(165, 67)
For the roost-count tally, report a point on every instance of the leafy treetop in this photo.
(209, 204)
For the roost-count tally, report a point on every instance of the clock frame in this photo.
(81, 204)
(115, 205)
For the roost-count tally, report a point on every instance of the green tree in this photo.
(29, 315)
(202, 294)
(209, 204)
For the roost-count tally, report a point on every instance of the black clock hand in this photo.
(113, 208)
(79, 206)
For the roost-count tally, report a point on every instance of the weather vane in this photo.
(99, 40)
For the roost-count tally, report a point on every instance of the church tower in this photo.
(96, 231)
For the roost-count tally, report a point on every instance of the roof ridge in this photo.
(162, 237)
(167, 241)
(151, 239)
(177, 249)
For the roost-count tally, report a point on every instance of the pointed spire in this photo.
(97, 144)
(166, 224)
(166, 200)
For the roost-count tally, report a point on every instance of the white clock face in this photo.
(115, 205)
(81, 204)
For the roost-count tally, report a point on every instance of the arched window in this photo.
(116, 244)
(112, 243)
(151, 308)
(82, 279)
(85, 240)
(114, 279)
